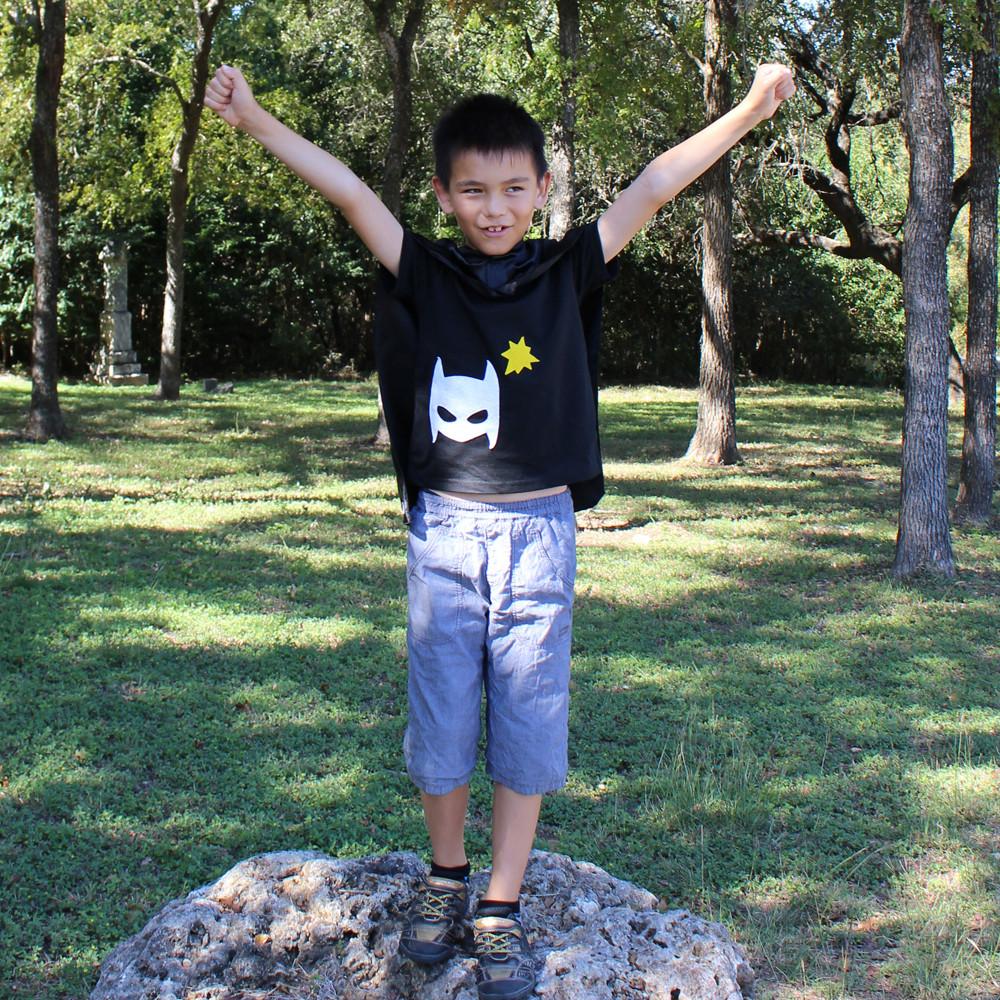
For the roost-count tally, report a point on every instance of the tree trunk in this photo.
(714, 440)
(399, 54)
(975, 491)
(45, 418)
(563, 203)
(399, 133)
(398, 48)
(169, 386)
(923, 542)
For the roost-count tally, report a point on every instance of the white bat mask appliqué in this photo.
(463, 408)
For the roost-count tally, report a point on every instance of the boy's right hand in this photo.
(228, 94)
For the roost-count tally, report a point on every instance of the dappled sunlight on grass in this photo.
(960, 794)
(202, 624)
(949, 936)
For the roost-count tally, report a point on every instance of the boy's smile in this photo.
(493, 197)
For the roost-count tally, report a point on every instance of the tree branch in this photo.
(821, 101)
(794, 238)
(864, 239)
(811, 177)
(134, 60)
(411, 24)
(875, 117)
(21, 19)
(383, 21)
(960, 194)
(670, 26)
(208, 17)
(805, 56)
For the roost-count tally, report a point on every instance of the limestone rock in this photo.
(306, 926)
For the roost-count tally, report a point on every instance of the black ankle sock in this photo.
(458, 874)
(498, 908)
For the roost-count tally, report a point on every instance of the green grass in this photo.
(202, 642)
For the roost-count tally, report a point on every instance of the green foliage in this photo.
(117, 120)
(276, 282)
(18, 57)
(857, 38)
(16, 260)
(78, 304)
(788, 305)
(274, 291)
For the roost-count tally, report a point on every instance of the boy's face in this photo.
(493, 197)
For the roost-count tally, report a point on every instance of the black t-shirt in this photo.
(494, 389)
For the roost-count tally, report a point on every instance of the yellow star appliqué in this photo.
(518, 357)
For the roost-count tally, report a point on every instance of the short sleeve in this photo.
(411, 264)
(590, 270)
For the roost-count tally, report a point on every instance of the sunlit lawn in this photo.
(202, 644)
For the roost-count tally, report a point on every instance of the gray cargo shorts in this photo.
(490, 607)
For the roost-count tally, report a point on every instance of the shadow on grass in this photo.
(176, 699)
(142, 758)
(272, 427)
(794, 422)
(771, 753)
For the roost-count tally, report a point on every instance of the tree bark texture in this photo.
(398, 46)
(975, 491)
(714, 440)
(169, 385)
(563, 200)
(45, 418)
(923, 542)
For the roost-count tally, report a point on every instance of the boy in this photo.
(487, 358)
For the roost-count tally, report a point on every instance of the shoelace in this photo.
(435, 904)
(502, 944)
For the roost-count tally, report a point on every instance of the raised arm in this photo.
(229, 95)
(672, 171)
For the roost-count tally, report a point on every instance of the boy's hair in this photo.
(486, 123)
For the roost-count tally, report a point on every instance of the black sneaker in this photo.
(505, 966)
(435, 921)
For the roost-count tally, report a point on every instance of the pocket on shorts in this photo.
(556, 539)
(424, 536)
(433, 582)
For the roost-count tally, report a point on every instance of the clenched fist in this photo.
(772, 84)
(228, 94)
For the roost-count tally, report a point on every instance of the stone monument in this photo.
(117, 363)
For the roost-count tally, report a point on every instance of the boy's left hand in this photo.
(772, 84)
